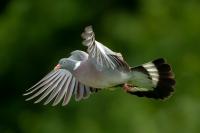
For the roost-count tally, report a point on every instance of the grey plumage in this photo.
(83, 73)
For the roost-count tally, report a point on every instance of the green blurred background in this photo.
(35, 34)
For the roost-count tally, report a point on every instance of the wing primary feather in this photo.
(97, 51)
(42, 84)
(78, 92)
(109, 62)
(81, 91)
(56, 101)
(68, 95)
(62, 92)
(116, 61)
(42, 80)
(101, 60)
(90, 48)
(44, 88)
(106, 61)
(75, 88)
(56, 90)
(97, 56)
(86, 92)
(50, 89)
(120, 63)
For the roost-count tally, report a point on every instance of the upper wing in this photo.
(103, 56)
(58, 86)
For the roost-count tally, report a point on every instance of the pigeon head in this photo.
(67, 63)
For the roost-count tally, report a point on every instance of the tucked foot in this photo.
(127, 87)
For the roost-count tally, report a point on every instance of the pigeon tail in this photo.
(153, 80)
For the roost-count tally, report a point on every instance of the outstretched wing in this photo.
(59, 86)
(103, 56)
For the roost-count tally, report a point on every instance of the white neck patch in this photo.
(77, 65)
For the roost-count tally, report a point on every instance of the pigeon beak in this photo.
(58, 66)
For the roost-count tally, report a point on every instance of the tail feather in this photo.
(162, 77)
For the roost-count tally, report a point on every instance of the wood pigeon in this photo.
(83, 73)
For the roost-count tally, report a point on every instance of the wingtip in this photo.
(36, 102)
(64, 104)
(45, 104)
(54, 104)
(88, 28)
(25, 94)
(88, 36)
(27, 100)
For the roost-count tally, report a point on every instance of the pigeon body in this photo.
(83, 73)
(104, 78)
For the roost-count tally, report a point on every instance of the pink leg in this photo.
(127, 87)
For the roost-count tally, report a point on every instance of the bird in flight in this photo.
(83, 74)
